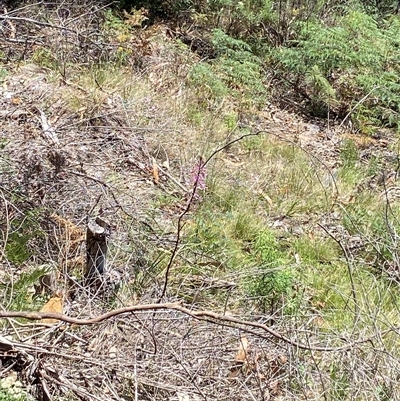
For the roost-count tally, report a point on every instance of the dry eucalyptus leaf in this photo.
(53, 305)
(241, 355)
(156, 175)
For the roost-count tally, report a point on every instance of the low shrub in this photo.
(351, 67)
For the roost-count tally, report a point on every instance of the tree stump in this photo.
(97, 236)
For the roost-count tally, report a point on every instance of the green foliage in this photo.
(3, 71)
(229, 47)
(212, 235)
(15, 393)
(20, 293)
(22, 231)
(349, 154)
(380, 8)
(315, 251)
(321, 91)
(45, 58)
(236, 239)
(236, 72)
(275, 280)
(377, 221)
(237, 65)
(208, 85)
(340, 382)
(351, 64)
(231, 121)
(114, 24)
(350, 173)
(121, 56)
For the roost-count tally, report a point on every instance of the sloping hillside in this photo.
(252, 252)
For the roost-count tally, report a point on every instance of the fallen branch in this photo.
(208, 316)
(6, 17)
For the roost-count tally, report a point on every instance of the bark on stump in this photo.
(97, 235)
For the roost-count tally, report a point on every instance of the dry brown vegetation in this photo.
(98, 117)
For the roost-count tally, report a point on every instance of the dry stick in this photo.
(356, 105)
(179, 231)
(104, 184)
(204, 315)
(348, 264)
(7, 17)
(68, 22)
(16, 10)
(32, 21)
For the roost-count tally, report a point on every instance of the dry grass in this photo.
(85, 130)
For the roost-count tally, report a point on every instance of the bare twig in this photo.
(178, 234)
(356, 105)
(349, 269)
(32, 21)
(209, 316)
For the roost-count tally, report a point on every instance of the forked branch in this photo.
(212, 317)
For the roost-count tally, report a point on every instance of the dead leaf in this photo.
(241, 355)
(16, 100)
(283, 359)
(136, 17)
(156, 175)
(266, 197)
(53, 305)
(113, 352)
(275, 388)
(48, 130)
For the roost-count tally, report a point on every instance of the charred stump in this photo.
(97, 236)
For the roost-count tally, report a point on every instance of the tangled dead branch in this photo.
(245, 325)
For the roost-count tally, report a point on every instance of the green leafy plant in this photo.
(11, 389)
(14, 394)
(235, 73)
(208, 85)
(272, 286)
(237, 66)
(3, 72)
(21, 232)
(349, 67)
(45, 58)
(20, 293)
(114, 24)
(350, 172)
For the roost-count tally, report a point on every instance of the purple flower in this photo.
(197, 181)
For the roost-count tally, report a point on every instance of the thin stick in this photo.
(356, 105)
(32, 21)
